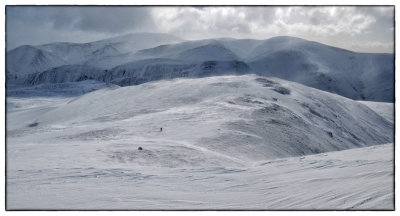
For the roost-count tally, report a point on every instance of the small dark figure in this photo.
(33, 124)
(160, 129)
(140, 148)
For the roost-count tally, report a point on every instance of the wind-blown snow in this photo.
(228, 142)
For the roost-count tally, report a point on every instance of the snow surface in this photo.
(386, 110)
(356, 179)
(228, 142)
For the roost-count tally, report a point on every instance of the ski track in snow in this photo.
(87, 157)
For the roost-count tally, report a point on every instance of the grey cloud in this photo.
(44, 24)
(95, 18)
(114, 19)
(333, 25)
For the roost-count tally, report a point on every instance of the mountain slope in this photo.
(65, 73)
(105, 53)
(26, 60)
(358, 76)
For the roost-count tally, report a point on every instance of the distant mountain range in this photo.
(142, 57)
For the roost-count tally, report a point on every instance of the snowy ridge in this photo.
(31, 59)
(357, 76)
(249, 118)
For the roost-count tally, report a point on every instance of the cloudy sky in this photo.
(363, 29)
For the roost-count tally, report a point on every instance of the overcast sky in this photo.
(363, 29)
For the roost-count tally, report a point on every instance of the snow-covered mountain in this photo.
(151, 121)
(25, 60)
(358, 76)
(138, 58)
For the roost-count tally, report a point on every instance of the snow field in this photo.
(228, 142)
